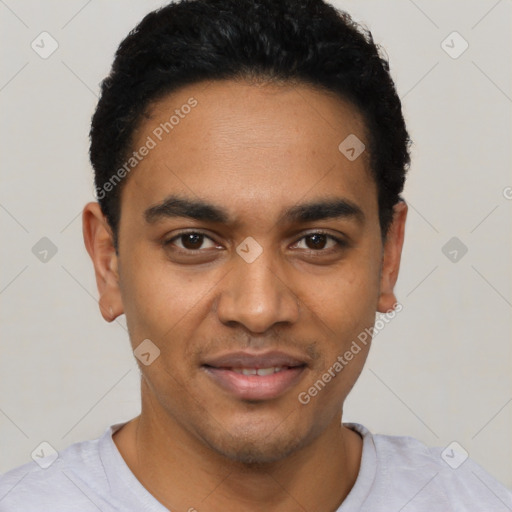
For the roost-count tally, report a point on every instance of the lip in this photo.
(255, 360)
(255, 387)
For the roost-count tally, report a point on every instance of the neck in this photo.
(185, 474)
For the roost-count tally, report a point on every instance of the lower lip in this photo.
(255, 387)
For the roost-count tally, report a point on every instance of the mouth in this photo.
(255, 377)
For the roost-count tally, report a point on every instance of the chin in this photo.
(256, 453)
(253, 446)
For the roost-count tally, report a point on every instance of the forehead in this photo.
(251, 147)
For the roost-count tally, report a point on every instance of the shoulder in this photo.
(445, 475)
(72, 479)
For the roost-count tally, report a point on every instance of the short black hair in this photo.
(300, 41)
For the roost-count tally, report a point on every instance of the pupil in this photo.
(192, 240)
(318, 241)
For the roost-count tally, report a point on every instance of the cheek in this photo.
(154, 297)
(346, 301)
(165, 304)
(344, 310)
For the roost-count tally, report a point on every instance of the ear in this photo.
(392, 252)
(99, 243)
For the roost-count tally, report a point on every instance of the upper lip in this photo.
(255, 360)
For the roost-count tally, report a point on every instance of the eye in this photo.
(195, 241)
(319, 241)
(191, 241)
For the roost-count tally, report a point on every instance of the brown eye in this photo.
(316, 241)
(191, 241)
(319, 242)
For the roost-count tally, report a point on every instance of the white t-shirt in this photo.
(396, 474)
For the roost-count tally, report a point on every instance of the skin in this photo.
(254, 150)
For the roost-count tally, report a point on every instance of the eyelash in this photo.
(340, 243)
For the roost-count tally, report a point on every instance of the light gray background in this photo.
(441, 371)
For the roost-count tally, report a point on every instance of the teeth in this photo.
(260, 371)
(268, 371)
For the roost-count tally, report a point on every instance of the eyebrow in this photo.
(336, 208)
(174, 206)
(331, 208)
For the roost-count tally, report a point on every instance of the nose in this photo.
(256, 296)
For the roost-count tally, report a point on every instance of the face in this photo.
(250, 254)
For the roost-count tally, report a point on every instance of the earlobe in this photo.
(391, 258)
(99, 243)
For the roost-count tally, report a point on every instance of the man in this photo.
(249, 158)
